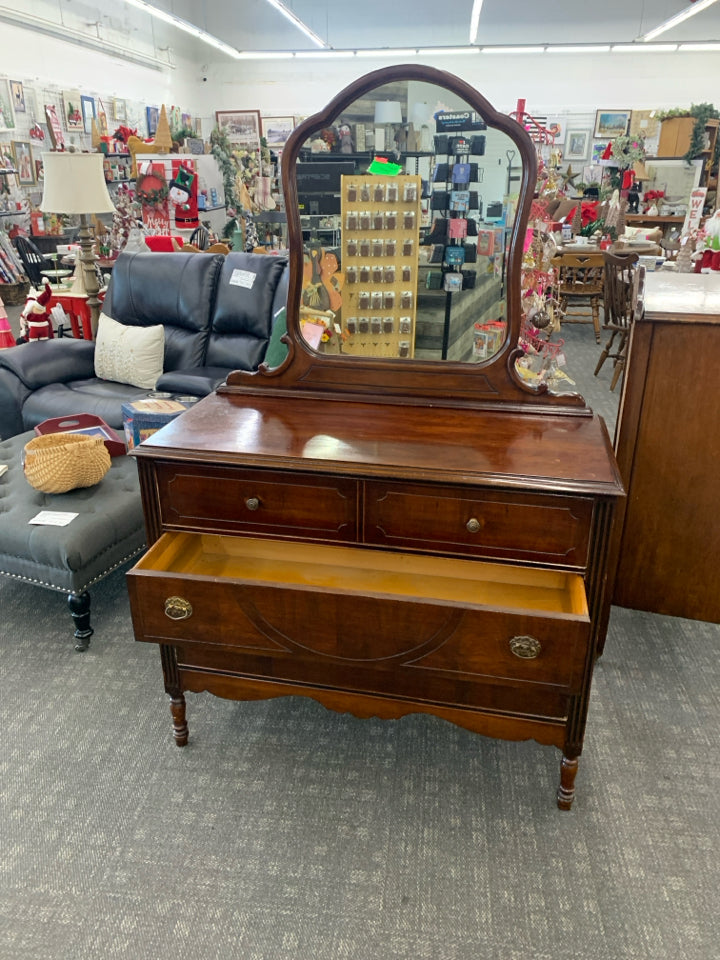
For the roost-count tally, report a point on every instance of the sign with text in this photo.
(694, 214)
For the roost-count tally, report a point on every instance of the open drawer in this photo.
(359, 618)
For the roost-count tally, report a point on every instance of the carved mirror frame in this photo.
(484, 383)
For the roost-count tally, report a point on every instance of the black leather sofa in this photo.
(218, 314)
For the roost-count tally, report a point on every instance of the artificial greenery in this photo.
(181, 134)
(598, 226)
(221, 149)
(628, 150)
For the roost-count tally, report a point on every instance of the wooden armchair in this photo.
(620, 293)
(580, 287)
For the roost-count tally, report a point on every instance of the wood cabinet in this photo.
(386, 536)
(667, 538)
(676, 134)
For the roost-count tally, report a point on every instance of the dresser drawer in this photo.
(437, 629)
(499, 525)
(257, 502)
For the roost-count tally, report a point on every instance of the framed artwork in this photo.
(186, 121)
(102, 118)
(39, 171)
(644, 123)
(152, 115)
(7, 157)
(576, 144)
(598, 149)
(277, 130)
(119, 108)
(7, 115)
(18, 96)
(611, 123)
(557, 125)
(72, 110)
(242, 127)
(24, 161)
(88, 112)
(54, 126)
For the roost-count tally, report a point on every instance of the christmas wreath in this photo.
(151, 189)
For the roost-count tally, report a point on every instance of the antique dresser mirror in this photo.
(406, 256)
(389, 520)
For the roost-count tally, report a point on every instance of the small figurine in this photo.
(345, 137)
(633, 198)
(35, 322)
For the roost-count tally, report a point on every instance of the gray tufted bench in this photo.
(108, 531)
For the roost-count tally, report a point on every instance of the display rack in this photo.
(381, 233)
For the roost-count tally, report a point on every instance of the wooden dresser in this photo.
(386, 536)
(668, 448)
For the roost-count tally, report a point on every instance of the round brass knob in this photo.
(527, 648)
(252, 503)
(473, 525)
(178, 608)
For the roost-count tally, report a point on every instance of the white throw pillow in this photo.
(132, 355)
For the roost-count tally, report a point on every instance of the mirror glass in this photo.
(407, 199)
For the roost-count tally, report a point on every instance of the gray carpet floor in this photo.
(286, 832)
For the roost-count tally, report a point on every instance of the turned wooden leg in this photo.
(79, 604)
(180, 728)
(566, 790)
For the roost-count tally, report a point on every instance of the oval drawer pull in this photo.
(527, 648)
(252, 503)
(473, 525)
(178, 608)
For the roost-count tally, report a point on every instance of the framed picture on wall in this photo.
(88, 112)
(598, 149)
(39, 171)
(152, 115)
(576, 144)
(242, 127)
(18, 96)
(24, 161)
(7, 115)
(72, 110)
(55, 130)
(611, 123)
(7, 157)
(277, 130)
(119, 110)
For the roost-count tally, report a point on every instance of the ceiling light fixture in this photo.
(448, 51)
(578, 48)
(698, 47)
(289, 15)
(513, 50)
(643, 48)
(685, 14)
(386, 52)
(475, 19)
(185, 27)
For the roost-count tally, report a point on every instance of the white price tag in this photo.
(53, 518)
(243, 278)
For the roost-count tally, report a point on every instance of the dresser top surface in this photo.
(685, 297)
(529, 450)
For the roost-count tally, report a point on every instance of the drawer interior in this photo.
(367, 572)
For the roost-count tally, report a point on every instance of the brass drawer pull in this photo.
(252, 503)
(177, 608)
(473, 525)
(527, 648)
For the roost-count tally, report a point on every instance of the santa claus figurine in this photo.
(35, 319)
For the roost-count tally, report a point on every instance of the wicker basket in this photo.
(14, 293)
(58, 462)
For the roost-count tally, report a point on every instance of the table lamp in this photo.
(420, 119)
(75, 184)
(387, 114)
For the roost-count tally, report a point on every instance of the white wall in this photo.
(551, 83)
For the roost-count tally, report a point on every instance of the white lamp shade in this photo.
(420, 114)
(74, 183)
(388, 111)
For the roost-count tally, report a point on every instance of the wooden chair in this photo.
(620, 297)
(580, 287)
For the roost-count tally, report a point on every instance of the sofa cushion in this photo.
(132, 355)
(175, 289)
(104, 398)
(197, 382)
(242, 321)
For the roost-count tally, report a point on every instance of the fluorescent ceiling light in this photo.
(266, 55)
(475, 19)
(289, 15)
(644, 47)
(386, 52)
(685, 14)
(443, 51)
(184, 26)
(589, 48)
(513, 50)
(323, 54)
(699, 47)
